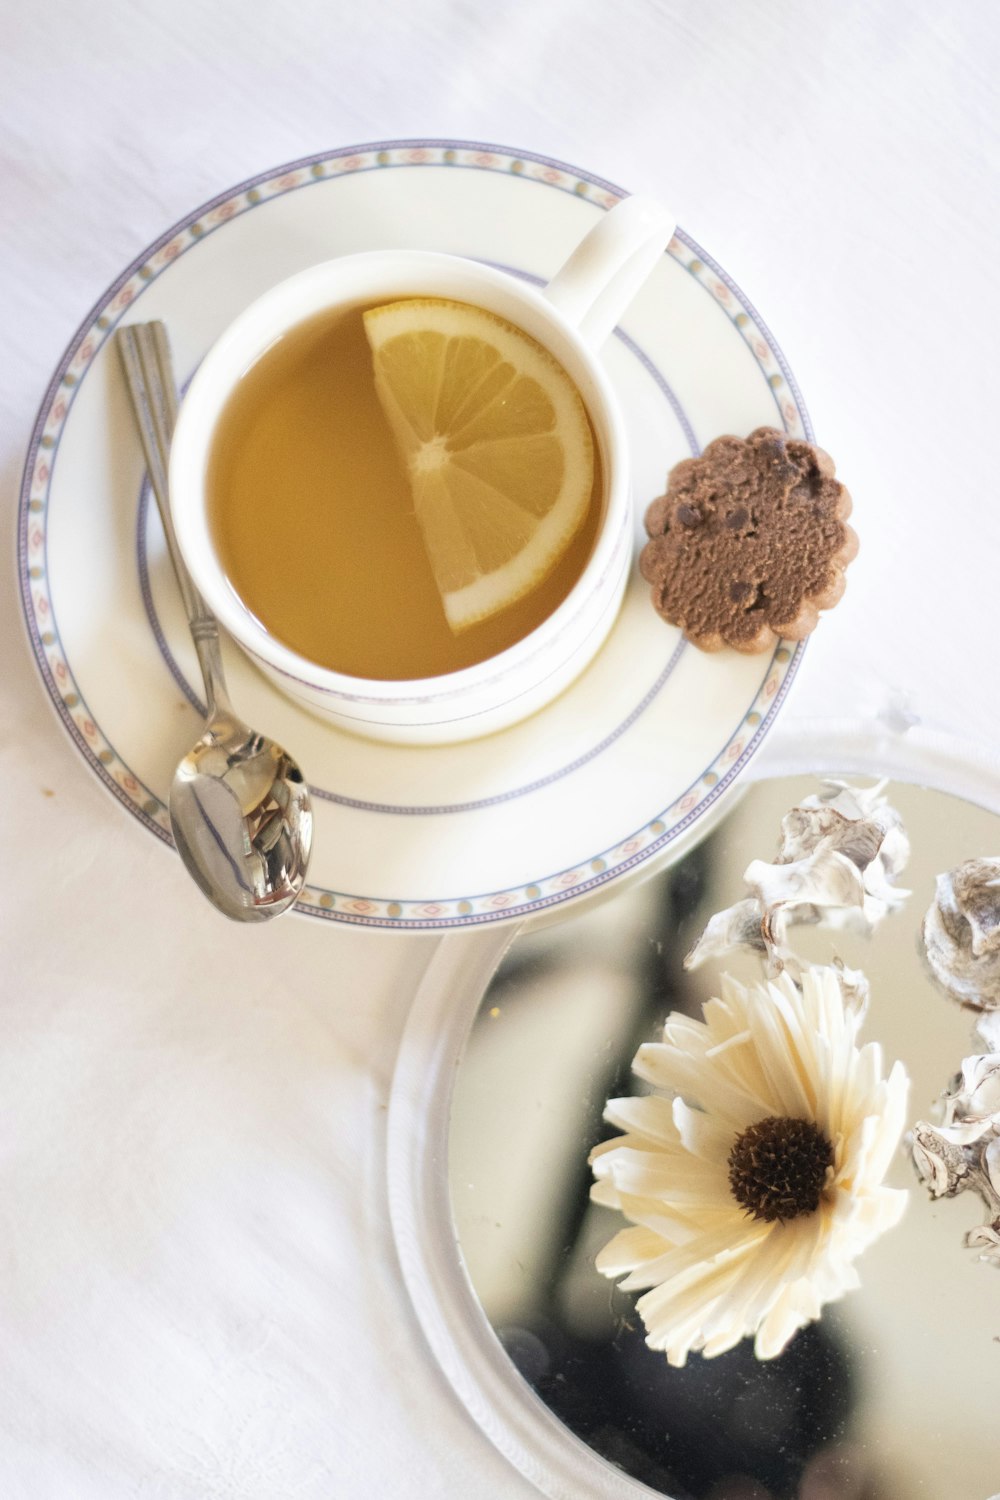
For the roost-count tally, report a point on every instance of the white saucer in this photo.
(628, 766)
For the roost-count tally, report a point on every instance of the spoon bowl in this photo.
(239, 805)
(242, 821)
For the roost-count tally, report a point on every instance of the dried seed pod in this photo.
(962, 1154)
(837, 862)
(962, 933)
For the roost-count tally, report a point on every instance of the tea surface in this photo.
(312, 514)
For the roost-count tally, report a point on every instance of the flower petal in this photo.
(668, 1067)
(648, 1115)
(631, 1247)
(785, 1255)
(775, 1047)
(676, 1177)
(703, 1133)
(729, 1237)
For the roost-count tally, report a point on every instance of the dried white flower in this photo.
(854, 987)
(987, 1028)
(838, 859)
(737, 926)
(986, 1238)
(963, 1152)
(962, 933)
(753, 1190)
(972, 1109)
(991, 1162)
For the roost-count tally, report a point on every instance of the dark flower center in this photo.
(777, 1168)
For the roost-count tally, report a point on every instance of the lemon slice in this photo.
(496, 442)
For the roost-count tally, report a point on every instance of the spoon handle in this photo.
(145, 356)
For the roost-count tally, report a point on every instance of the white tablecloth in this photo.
(198, 1290)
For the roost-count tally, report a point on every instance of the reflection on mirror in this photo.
(885, 1388)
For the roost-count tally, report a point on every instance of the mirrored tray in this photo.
(498, 1101)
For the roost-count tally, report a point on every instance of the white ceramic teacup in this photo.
(571, 316)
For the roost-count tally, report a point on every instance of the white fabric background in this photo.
(198, 1291)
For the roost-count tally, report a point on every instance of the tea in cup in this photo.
(417, 559)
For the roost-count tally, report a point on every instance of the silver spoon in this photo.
(239, 806)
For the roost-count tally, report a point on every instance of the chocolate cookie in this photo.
(749, 542)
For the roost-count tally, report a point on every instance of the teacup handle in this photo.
(598, 281)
